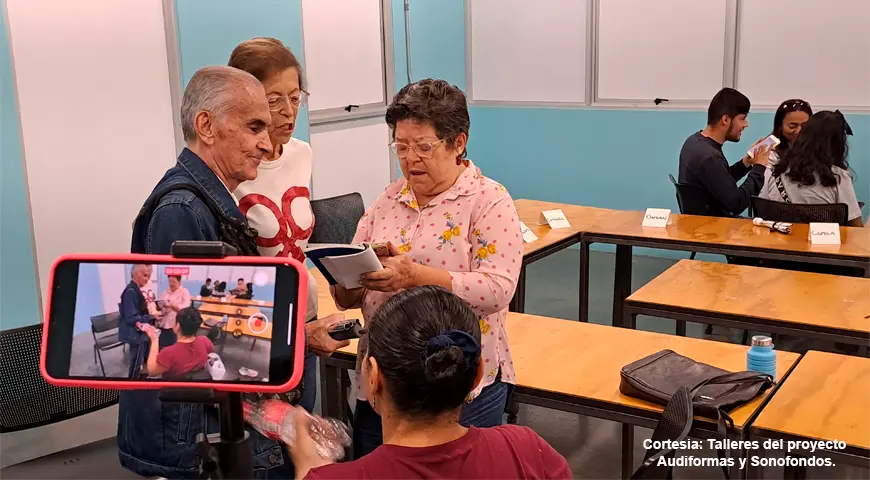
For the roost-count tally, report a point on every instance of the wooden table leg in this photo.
(627, 450)
(621, 281)
(330, 391)
(518, 303)
(584, 282)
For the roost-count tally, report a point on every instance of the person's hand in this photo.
(399, 273)
(762, 155)
(747, 160)
(319, 340)
(304, 451)
(152, 333)
(152, 310)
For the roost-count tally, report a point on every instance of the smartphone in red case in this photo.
(94, 338)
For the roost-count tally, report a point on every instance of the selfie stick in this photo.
(227, 455)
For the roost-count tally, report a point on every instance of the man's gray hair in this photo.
(211, 90)
(138, 266)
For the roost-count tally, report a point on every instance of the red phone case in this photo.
(299, 351)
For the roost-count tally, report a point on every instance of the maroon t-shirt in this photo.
(508, 451)
(181, 358)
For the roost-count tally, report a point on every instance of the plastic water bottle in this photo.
(274, 419)
(761, 356)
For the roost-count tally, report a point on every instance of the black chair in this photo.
(104, 328)
(804, 213)
(28, 401)
(335, 221)
(800, 212)
(692, 200)
(336, 218)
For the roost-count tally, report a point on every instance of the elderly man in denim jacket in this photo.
(225, 120)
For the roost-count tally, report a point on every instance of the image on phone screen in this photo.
(161, 322)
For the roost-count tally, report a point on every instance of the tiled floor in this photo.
(591, 446)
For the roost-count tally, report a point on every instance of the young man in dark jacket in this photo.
(703, 165)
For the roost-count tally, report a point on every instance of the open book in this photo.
(343, 264)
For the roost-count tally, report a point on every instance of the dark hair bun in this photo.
(445, 364)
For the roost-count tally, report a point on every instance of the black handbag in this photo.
(686, 387)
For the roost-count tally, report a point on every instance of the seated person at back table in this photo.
(188, 354)
(205, 290)
(220, 289)
(702, 163)
(423, 359)
(240, 289)
(815, 169)
(788, 121)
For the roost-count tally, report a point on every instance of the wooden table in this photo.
(574, 367)
(725, 236)
(237, 316)
(806, 304)
(826, 397)
(549, 240)
(230, 300)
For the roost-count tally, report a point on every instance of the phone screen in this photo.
(161, 322)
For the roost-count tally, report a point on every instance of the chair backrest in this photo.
(800, 212)
(105, 322)
(26, 399)
(336, 218)
(692, 200)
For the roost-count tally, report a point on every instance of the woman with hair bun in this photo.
(423, 360)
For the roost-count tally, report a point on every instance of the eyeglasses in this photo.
(423, 150)
(296, 100)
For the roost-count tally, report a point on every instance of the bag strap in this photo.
(677, 416)
(736, 377)
(232, 231)
(779, 186)
(680, 407)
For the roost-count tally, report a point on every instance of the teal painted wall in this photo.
(208, 30)
(607, 158)
(19, 304)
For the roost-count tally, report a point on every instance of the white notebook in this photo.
(343, 264)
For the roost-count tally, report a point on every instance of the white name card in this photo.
(656, 217)
(528, 235)
(825, 233)
(554, 218)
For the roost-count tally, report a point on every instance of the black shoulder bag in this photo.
(686, 387)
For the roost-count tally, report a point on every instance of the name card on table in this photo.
(656, 217)
(528, 235)
(554, 218)
(825, 233)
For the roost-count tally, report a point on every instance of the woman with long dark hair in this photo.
(788, 121)
(814, 169)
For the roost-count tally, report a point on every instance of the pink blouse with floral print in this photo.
(471, 230)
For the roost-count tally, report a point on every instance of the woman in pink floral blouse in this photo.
(449, 226)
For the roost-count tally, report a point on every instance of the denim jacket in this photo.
(157, 439)
(132, 309)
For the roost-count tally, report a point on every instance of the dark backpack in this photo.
(232, 231)
(686, 387)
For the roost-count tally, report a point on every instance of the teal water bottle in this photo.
(761, 356)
